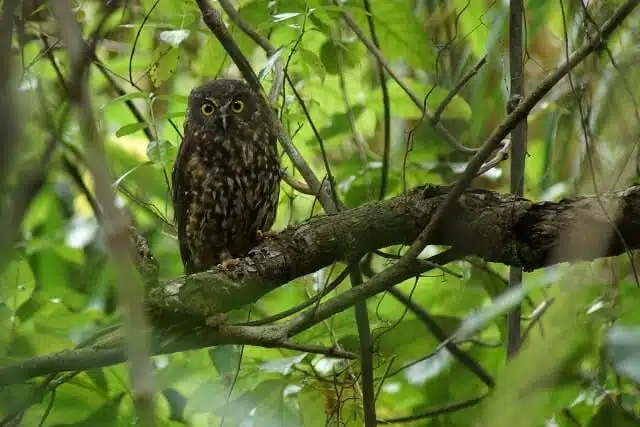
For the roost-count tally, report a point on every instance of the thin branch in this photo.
(317, 349)
(537, 317)
(366, 350)
(109, 351)
(518, 152)
(330, 179)
(293, 310)
(386, 116)
(447, 409)
(296, 184)
(9, 131)
(461, 84)
(269, 50)
(116, 225)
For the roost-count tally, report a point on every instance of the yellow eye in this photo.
(237, 106)
(207, 109)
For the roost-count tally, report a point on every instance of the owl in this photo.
(226, 177)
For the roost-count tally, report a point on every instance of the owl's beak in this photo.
(223, 121)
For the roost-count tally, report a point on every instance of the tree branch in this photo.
(496, 227)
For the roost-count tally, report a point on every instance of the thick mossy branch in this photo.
(496, 227)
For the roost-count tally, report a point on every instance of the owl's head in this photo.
(223, 105)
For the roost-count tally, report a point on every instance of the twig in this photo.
(452, 407)
(366, 350)
(358, 141)
(269, 50)
(293, 310)
(501, 154)
(317, 349)
(116, 225)
(449, 138)
(385, 375)
(386, 116)
(453, 92)
(518, 153)
(537, 317)
(296, 184)
(323, 152)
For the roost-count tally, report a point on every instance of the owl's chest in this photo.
(232, 167)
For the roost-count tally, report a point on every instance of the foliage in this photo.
(57, 287)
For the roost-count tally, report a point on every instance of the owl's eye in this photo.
(237, 106)
(207, 109)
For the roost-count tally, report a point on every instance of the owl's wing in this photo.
(182, 199)
(265, 211)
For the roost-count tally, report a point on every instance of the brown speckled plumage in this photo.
(226, 177)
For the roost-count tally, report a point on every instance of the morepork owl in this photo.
(226, 177)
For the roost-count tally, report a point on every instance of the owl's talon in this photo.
(230, 262)
(216, 319)
(261, 235)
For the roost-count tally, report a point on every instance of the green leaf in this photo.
(403, 106)
(270, 63)
(208, 396)
(311, 401)
(406, 334)
(124, 98)
(611, 413)
(337, 124)
(98, 378)
(240, 407)
(106, 415)
(480, 319)
(313, 62)
(280, 17)
(164, 65)
(161, 153)
(334, 53)
(17, 283)
(117, 182)
(130, 128)
(401, 32)
(173, 97)
(282, 366)
(623, 349)
(274, 410)
(225, 358)
(173, 37)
